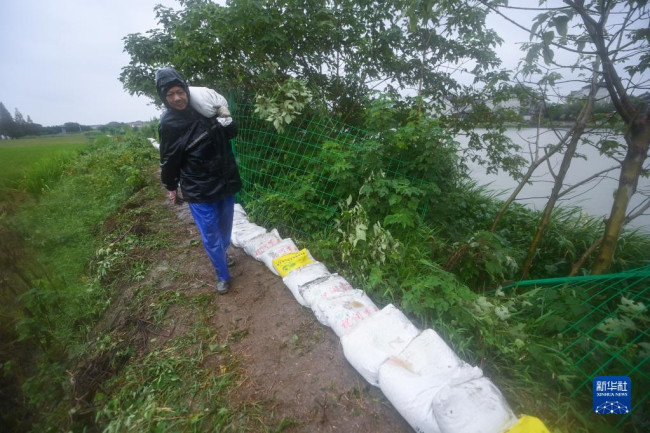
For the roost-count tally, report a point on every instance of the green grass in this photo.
(17, 157)
(61, 222)
(47, 302)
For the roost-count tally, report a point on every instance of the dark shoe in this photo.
(230, 261)
(223, 287)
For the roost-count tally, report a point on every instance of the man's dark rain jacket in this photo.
(195, 151)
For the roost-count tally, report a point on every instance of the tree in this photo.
(18, 117)
(615, 34)
(72, 127)
(578, 130)
(613, 48)
(20, 124)
(345, 51)
(7, 124)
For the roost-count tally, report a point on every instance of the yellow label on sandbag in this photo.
(292, 261)
(528, 424)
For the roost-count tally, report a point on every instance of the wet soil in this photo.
(289, 362)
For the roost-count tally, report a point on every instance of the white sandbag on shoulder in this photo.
(374, 340)
(326, 288)
(242, 233)
(301, 276)
(475, 406)
(344, 312)
(206, 101)
(256, 246)
(285, 246)
(411, 379)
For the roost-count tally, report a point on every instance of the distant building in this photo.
(602, 95)
(461, 107)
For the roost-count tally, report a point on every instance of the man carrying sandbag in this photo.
(195, 152)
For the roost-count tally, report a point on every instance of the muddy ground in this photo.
(289, 361)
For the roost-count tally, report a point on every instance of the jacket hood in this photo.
(166, 78)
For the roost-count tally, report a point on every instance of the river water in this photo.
(595, 198)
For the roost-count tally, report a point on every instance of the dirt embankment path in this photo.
(290, 363)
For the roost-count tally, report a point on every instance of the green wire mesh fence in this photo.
(290, 164)
(611, 336)
(303, 163)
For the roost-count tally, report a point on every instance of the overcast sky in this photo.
(61, 59)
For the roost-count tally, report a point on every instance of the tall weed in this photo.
(45, 173)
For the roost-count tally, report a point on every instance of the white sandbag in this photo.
(239, 217)
(239, 210)
(242, 233)
(411, 379)
(206, 101)
(258, 245)
(301, 276)
(292, 262)
(475, 406)
(344, 312)
(326, 288)
(282, 248)
(374, 340)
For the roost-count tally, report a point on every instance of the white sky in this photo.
(61, 59)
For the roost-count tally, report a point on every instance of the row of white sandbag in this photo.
(428, 384)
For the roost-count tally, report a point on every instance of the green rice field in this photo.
(18, 157)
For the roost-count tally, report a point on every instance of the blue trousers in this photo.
(214, 221)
